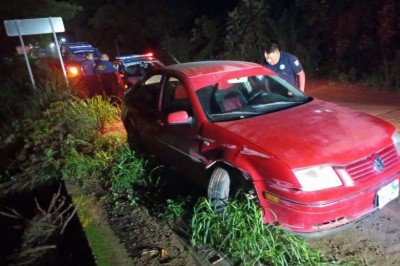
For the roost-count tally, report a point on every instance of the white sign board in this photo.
(33, 26)
(21, 27)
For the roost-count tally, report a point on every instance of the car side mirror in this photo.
(179, 118)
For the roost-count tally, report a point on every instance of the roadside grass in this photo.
(55, 135)
(243, 237)
(63, 134)
(126, 174)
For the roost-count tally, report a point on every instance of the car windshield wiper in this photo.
(263, 106)
(234, 115)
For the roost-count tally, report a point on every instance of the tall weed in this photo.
(241, 234)
(110, 142)
(75, 116)
(126, 173)
(92, 161)
(83, 119)
(105, 111)
(82, 166)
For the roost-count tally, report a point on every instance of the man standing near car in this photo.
(111, 82)
(286, 65)
(89, 75)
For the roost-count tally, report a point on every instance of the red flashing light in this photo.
(150, 54)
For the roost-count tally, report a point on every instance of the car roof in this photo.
(201, 68)
(203, 73)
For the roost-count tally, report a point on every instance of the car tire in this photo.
(218, 189)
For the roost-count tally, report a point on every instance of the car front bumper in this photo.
(315, 219)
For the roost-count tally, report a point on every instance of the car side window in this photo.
(149, 91)
(175, 97)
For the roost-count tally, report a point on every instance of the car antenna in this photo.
(173, 57)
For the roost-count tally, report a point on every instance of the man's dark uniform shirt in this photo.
(89, 75)
(104, 67)
(287, 67)
(88, 67)
(108, 78)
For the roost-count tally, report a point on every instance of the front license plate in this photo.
(388, 193)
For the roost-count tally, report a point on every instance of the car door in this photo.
(144, 104)
(180, 141)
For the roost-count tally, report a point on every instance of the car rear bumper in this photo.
(323, 218)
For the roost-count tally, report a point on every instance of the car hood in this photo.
(314, 133)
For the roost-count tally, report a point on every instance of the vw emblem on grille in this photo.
(379, 166)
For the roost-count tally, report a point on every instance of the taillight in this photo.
(72, 71)
(150, 55)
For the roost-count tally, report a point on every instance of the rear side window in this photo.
(175, 97)
(147, 93)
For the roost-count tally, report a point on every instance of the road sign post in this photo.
(25, 54)
(58, 51)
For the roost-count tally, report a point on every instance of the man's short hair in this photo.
(271, 47)
(105, 57)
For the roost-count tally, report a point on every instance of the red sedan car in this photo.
(313, 165)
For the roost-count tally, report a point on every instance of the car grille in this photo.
(365, 167)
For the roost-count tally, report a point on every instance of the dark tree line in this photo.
(350, 40)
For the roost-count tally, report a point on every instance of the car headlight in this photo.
(396, 142)
(317, 178)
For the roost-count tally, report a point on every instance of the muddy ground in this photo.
(150, 235)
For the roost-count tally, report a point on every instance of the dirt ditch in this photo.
(38, 226)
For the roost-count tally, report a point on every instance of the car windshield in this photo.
(245, 97)
(138, 69)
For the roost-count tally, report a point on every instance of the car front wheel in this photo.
(218, 189)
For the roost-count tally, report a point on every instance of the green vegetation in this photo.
(64, 137)
(175, 209)
(52, 135)
(125, 174)
(241, 235)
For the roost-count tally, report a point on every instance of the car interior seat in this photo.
(229, 97)
(178, 100)
(180, 92)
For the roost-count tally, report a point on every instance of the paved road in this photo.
(376, 239)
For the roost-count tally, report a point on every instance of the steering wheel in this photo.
(256, 95)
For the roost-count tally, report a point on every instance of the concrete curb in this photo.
(105, 245)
